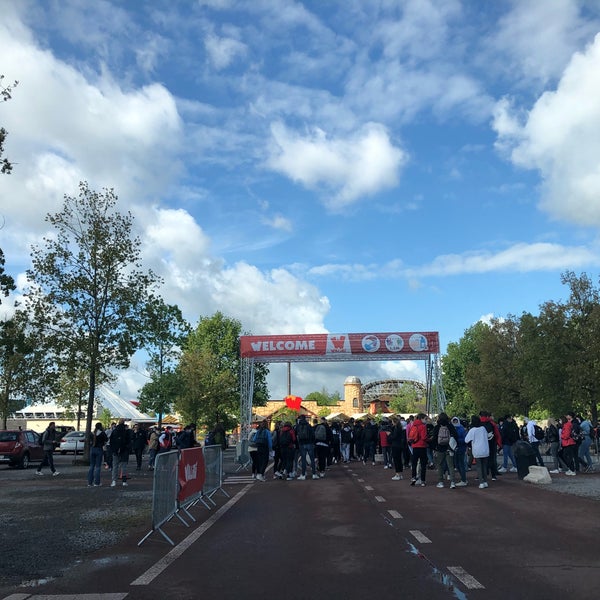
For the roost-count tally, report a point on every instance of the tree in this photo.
(210, 372)
(455, 364)
(7, 283)
(165, 331)
(24, 370)
(5, 95)
(324, 398)
(407, 399)
(88, 291)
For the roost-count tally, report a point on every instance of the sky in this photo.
(319, 166)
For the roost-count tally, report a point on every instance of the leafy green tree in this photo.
(582, 355)
(88, 289)
(7, 283)
(456, 362)
(210, 371)
(24, 370)
(5, 95)
(165, 331)
(324, 398)
(407, 400)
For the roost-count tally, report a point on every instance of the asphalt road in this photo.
(355, 534)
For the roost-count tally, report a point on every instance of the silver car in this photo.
(74, 442)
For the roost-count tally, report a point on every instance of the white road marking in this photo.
(395, 514)
(154, 571)
(360, 480)
(369, 488)
(468, 580)
(420, 536)
(380, 498)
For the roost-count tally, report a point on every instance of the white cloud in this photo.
(222, 51)
(539, 38)
(560, 137)
(352, 168)
(279, 222)
(522, 258)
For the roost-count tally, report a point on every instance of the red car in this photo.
(19, 448)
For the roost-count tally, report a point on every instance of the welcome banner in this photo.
(382, 346)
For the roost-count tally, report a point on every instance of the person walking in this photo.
(385, 443)
(48, 442)
(287, 443)
(346, 435)
(139, 442)
(370, 435)
(120, 446)
(460, 453)
(264, 446)
(323, 439)
(477, 436)
(553, 437)
(97, 440)
(585, 459)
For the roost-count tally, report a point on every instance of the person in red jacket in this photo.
(568, 443)
(417, 439)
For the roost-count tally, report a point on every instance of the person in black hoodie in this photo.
(370, 435)
(120, 446)
(397, 438)
(509, 431)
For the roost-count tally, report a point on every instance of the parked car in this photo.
(19, 448)
(73, 441)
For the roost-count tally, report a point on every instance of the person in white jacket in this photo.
(478, 437)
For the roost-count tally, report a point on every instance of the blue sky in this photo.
(349, 166)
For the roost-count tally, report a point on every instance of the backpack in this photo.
(346, 435)
(321, 433)
(182, 439)
(302, 431)
(538, 432)
(443, 437)
(285, 438)
(413, 435)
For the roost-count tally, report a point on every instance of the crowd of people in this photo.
(447, 446)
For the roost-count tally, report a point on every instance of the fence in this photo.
(183, 478)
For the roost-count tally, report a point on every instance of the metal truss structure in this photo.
(433, 388)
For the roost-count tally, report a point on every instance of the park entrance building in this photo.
(341, 347)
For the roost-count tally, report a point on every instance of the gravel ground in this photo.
(51, 523)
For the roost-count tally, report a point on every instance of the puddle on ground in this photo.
(443, 578)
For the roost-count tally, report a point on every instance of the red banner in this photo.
(192, 473)
(330, 345)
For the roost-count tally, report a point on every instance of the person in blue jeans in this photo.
(97, 441)
(305, 435)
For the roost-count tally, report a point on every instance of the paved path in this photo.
(356, 534)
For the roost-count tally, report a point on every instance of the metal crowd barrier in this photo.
(182, 478)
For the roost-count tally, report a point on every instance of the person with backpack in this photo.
(323, 438)
(417, 439)
(443, 448)
(306, 445)
(460, 454)
(277, 461)
(165, 441)
(533, 439)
